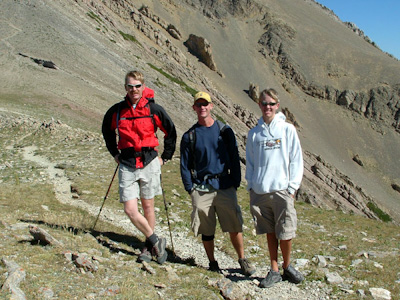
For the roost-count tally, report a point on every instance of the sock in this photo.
(148, 244)
(153, 239)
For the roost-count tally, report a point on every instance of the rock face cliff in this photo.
(231, 50)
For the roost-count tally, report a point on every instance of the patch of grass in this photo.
(380, 213)
(174, 79)
(94, 17)
(128, 37)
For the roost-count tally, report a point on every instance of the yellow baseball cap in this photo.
(202, 95)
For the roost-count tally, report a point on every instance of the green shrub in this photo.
(128, 37)
(176, 80)
(94, 17)
(380, 213)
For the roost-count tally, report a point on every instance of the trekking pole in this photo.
(166, 210)
(105, 197)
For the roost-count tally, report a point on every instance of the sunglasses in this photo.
(200, 104)
(263, 103)
(131, 86)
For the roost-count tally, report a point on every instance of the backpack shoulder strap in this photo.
(118, 111)
(192, 141)
(222, 126)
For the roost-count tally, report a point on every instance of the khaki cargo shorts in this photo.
(274, 213)
(208, 205)
(139, 183)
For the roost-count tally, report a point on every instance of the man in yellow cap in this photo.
(210, 170)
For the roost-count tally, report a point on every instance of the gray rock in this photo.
(81, 260)
(43, 236)
(47, 293)
(380, 294)
(301, 263)
(333, 278)
(356, 262)
(320, 261)
(146, 267)
(361, 293)
(229, 290)
(15, 276)
(357, 159)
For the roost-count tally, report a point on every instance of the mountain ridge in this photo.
(93, 44)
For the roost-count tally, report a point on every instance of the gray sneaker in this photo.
(159, 251)
(292, 275)
(145, 255)
(272, 278)
(247, 268)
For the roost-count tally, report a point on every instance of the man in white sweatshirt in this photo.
(274, 170)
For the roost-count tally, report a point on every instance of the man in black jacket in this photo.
(210, 170)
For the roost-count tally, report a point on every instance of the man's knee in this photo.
(130, 207)
(147, 204)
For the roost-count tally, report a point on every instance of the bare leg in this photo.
(286, 248)
(148, 211)
(140, 222)
(209, 247)
(237, 242)
(273, 250)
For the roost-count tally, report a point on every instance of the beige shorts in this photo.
(274, 213)
(143, 183)
(223, 203)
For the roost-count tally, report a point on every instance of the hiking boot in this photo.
(292, 275)
(247, 268)
(145, 255)
(213, 267)
(272, 278)
(159, 251)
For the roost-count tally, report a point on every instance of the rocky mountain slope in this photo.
(52, 248)
(67, 59)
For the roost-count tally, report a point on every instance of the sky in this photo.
(379, 19)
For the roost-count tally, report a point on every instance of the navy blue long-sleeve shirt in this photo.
(215, 154)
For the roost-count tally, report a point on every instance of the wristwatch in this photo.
(164, 160)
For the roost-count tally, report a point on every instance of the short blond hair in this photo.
(135, 75)
(268, 92)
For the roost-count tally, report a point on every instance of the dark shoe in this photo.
(247, 268)
(145, 255)
(213, 267)
(159, 251)
(292, 275)
(272, 278)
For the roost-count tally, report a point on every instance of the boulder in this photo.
(201, 48)
(254, 91)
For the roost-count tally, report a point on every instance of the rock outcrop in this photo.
(326, 187)
(201, 48)
(254, 92)
(380, 104)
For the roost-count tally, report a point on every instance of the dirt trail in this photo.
(184, 246)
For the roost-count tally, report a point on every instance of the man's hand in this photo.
(116, 158)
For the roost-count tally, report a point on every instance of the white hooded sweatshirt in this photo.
(274, 159)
